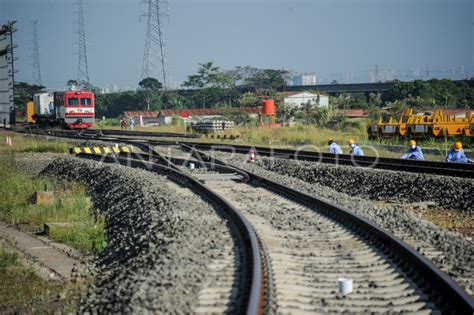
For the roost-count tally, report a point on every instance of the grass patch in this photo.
(20, 285)
(23, 291)
(297, 135)
(23, 144)
(71, 205)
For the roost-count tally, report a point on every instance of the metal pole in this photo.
(13, 112)
(445, 142)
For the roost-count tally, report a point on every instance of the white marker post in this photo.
(185, 116)
(344, 285)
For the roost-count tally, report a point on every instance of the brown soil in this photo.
(452, 220)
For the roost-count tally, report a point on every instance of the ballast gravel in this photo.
(34, 163)
(450, 251)
(375, 184)
(448, 192)
(159, 241)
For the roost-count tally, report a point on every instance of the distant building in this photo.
(304, 79)
(295, 99)
(104, 90)
(143, 118)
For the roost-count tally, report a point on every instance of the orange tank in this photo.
(268, 107)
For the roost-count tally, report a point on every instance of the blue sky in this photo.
(336, 39)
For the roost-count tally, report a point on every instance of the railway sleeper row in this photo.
(422, 292)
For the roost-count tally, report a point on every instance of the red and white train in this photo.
(71, 109)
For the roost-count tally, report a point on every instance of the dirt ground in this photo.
(452, 220)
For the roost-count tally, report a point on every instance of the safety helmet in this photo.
(351, 141)
(457, 146)
(412, 142)
(330, 140)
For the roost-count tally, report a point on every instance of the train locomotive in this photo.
(70, 109)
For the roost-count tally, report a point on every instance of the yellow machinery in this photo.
(417, 125)
(383, 128)
(450, 124)
(30, 111)
(390, 128)
(436, 124)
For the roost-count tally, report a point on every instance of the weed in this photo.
(23, 144)
(71, 205)
(19, 285)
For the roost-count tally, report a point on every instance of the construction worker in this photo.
(333, 147)
(355, 149)
(132, 123)
(414, 152)
(456, 154)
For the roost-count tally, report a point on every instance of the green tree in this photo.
(150, 88)
(375, 99)
(114, 104)
(211, 85)
(308, 109)
(247, 99)
(24, 93)
(432, 93)
(261, 81)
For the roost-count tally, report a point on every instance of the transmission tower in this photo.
(82, 68)
(154, 59)
(36, 62)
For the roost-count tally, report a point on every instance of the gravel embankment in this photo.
(450, 251)
(448, 192)
(159, 240)
(33, 163)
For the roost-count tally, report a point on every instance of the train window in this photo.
(72, 101)
(85, 101)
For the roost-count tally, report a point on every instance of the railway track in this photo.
(405, 281)
(251, 279)
(305, 244)
(424, 167)
(99, 133)
(285, 201)
(427, 167)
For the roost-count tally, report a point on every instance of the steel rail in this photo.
(112, 132)
(457, 299)
(173, 161)
(102, 133)
(428, 167)
(254, 299)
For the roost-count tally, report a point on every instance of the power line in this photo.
(154, 56)
(82, 67)
(36, 62)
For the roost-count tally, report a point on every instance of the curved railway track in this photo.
(307, 243)
(304, 256)
(251, 280)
